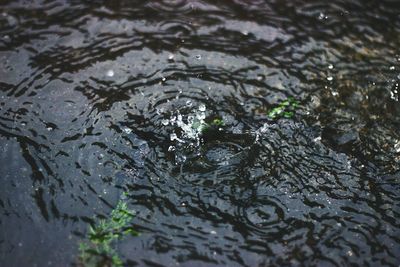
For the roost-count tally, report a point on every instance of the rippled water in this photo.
(98, 98)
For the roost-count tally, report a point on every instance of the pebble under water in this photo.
(106, 101)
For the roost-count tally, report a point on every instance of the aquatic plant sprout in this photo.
(99, 249)
(284, 109)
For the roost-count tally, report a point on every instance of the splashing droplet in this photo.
(202, 108)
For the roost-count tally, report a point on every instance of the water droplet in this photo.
(392, 68)
(110, 73)
(171, 57)
(330, 66)
(164, 79)
(173, 136)
(213, 232)
(322, 16)
(202, 107)
(317, 139)
(127, 130)
(329, 78)
(350, 253)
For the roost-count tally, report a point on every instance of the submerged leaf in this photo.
(284, 109)
(98, 250)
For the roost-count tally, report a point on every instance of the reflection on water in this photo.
(98, 98)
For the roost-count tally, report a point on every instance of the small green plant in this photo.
(217, 122)
(214, 124)
(98, 250)
(285, 109)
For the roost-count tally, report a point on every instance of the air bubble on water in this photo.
(110, 73)
(329, 78)
(202, 107)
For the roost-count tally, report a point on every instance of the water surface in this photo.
(96, 98)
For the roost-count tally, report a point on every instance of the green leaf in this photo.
(284, 109)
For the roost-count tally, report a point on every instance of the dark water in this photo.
(90, 98)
